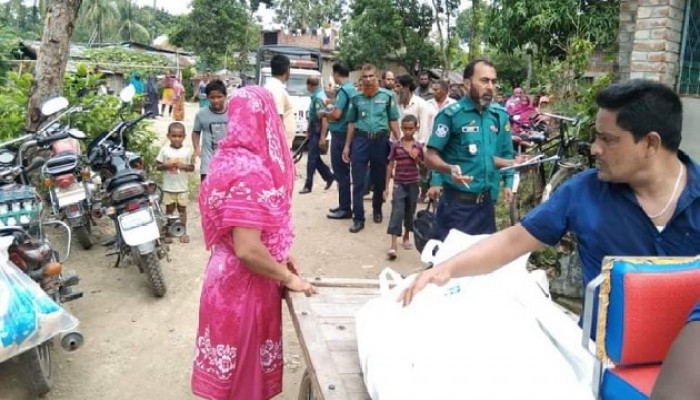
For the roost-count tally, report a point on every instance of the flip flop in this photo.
(184, 239)
(391, 255)
(407, 245)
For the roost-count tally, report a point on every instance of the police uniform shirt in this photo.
(316, 104)
(372, 114)
(342, 102)
(470, 139)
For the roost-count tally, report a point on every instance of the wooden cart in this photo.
(325, 325)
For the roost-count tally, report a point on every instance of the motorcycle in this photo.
(71, 188)
(31, 251)
(131, 200)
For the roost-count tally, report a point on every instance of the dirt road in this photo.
(140, 347)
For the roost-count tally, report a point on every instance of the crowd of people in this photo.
(410, 140)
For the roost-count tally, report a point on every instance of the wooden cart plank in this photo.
(326, 380)
(346, 362)
(354, 384)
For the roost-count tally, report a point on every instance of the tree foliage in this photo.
(308, 14)
(549, 25)
(389, 29)
(221, 33)
(24, 19)
(122, 20)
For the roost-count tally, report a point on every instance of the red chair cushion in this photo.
(649, 304)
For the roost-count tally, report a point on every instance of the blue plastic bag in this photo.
(28, 316)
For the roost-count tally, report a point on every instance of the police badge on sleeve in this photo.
(442, 130)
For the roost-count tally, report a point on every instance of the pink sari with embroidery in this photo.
(249, 184)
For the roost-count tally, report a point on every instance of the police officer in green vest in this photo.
(469, 139)
(372, 116)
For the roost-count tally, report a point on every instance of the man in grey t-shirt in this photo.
(210, 125)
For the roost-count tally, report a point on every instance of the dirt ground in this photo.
(140, 347)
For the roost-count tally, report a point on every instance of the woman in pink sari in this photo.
(522, 113)
(245, 204)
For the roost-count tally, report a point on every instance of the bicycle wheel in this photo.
(528, 185)
(558, 179)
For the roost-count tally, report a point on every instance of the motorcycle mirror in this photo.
(52, 106)
(127, 94)
(37, 162)
(77, 134)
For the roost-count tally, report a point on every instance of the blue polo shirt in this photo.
(608, 220)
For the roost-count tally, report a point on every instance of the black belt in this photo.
(373, 135)
(467, 197)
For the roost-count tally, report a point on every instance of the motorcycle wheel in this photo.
(151, 266)
(38, 368)
(84, 237)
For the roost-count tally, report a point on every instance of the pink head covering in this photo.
(251, 176)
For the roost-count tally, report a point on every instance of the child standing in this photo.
(405, 159)
(210, 125)
(175, 161)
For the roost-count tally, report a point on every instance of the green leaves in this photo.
(307, 14)
(383, 30)
(549, 24)
(220, 32)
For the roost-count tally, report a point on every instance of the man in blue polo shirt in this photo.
(641, 200)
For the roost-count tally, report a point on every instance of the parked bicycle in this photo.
(551, 161)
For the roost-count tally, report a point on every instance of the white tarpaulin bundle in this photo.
(495, 336)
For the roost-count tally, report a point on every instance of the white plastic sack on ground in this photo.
(28, 317)
(494, 336)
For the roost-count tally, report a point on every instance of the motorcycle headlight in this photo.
(128, 191)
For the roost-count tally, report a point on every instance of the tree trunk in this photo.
(59, 23)
(443, 47)
(475, 42)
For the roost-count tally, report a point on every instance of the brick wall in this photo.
(650, 37)
(313, 41)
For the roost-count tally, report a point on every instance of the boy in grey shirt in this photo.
(210, 125)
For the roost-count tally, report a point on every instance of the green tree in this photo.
(131, 28)
(216, 30)
(379, 30)
(445, 9)
(549, 25)
(308, 14)
(103, 16)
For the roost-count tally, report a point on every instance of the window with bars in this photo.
(689, 81)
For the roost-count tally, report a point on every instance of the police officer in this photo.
(372, 114)
(316, 132)
(469, 139)
(338, 124)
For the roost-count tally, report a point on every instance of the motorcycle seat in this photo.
(10, 230)
(61, 163)
(125, 176)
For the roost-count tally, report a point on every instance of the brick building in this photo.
(660, 40)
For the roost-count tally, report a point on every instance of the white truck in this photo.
(304, 63)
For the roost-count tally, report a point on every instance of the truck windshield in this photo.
(296, 85)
